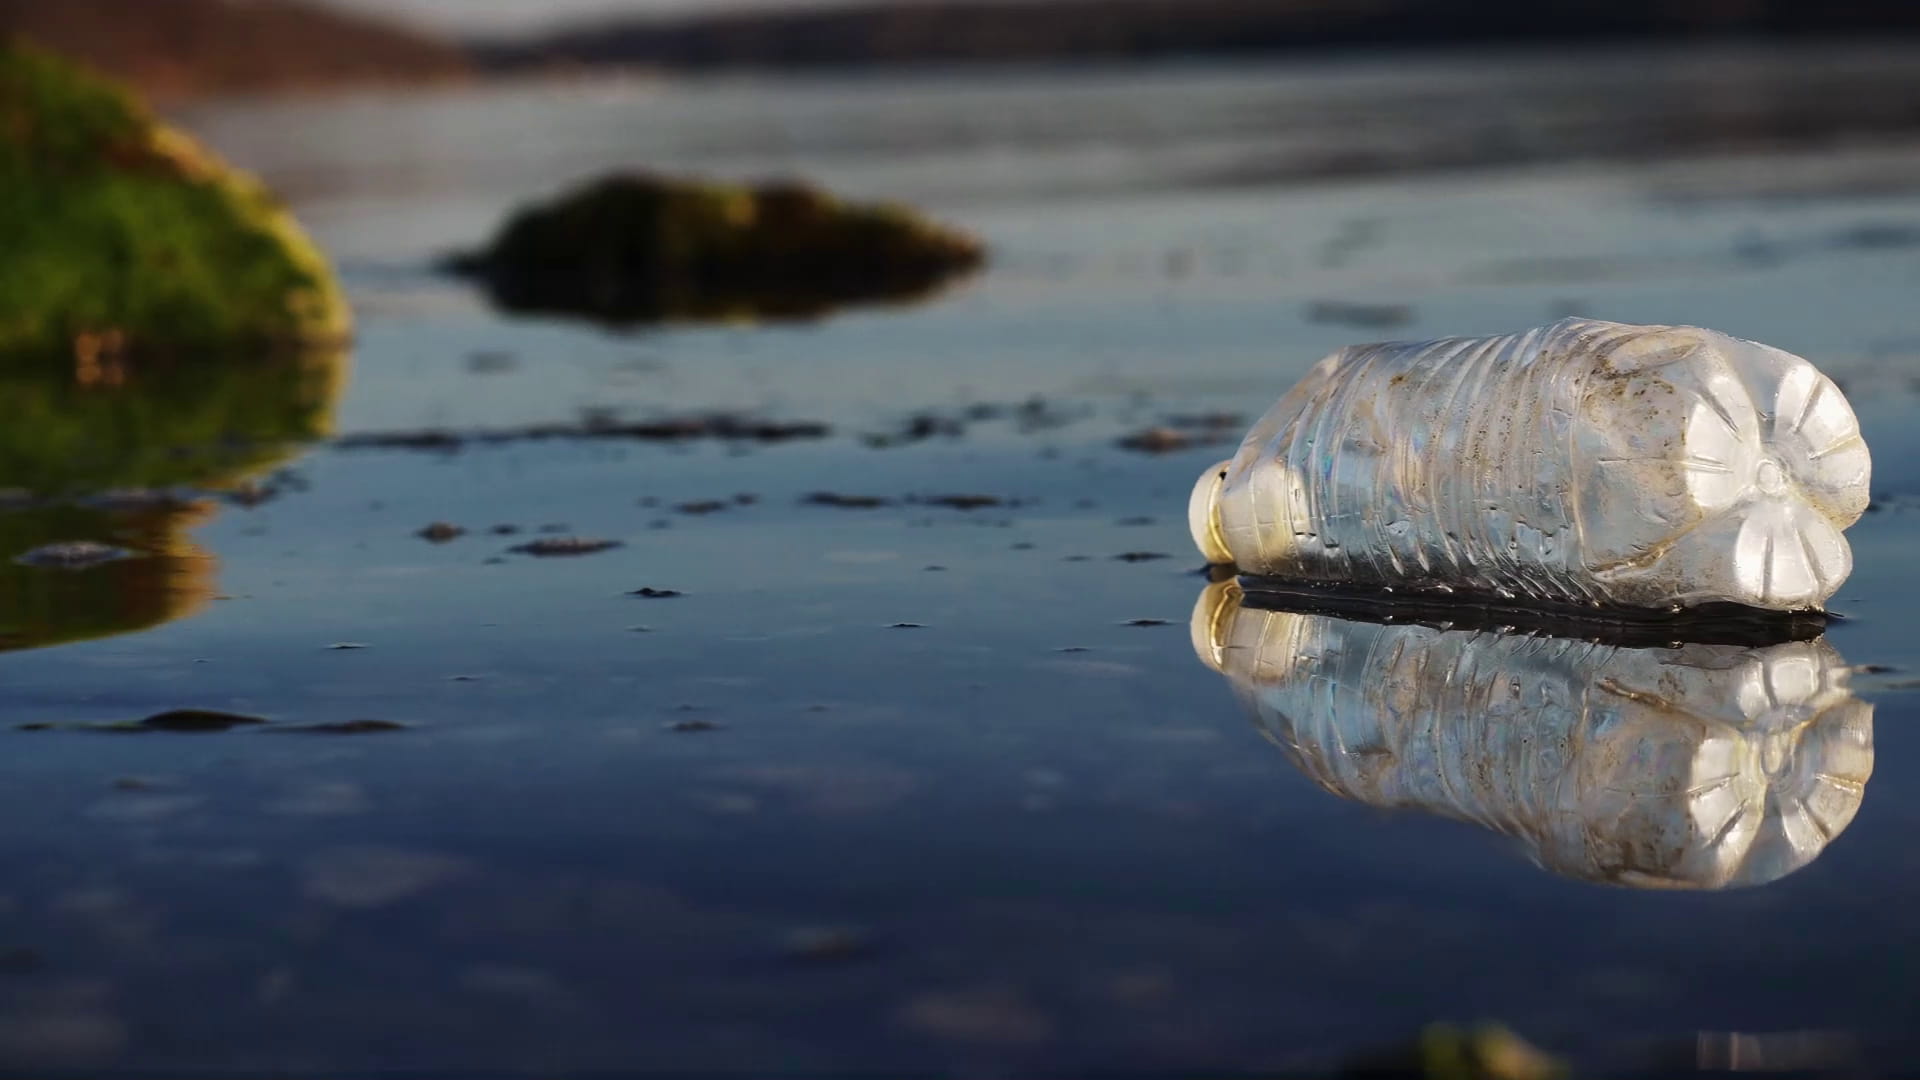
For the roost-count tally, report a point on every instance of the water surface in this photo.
(910, 788)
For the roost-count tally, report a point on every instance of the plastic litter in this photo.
(1586, 462)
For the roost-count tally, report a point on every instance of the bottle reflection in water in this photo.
(1694, 766)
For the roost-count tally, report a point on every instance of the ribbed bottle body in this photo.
(1584, 462)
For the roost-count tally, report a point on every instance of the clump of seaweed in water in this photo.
(637, 249)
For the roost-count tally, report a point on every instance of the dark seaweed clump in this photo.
(639, 249)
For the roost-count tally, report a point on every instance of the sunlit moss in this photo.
(124, 235)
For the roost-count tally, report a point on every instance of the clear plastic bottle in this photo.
(1693, 766)
(1585, 462)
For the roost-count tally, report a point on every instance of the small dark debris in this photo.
(1876, 669)
(345, 646)
(1145, 622)
(693, 726)
(442, 441)
(935, 569)
(918, 428)
(1156, 440)
(845, 502)
(964, 502)
(463, 678)
(651, 593)
(1141, 556)
(1134, 522)
(193, 720)
(745, 499)
(343, 727)
(561, 547)
(1364, 315)
(1074, 648)
(505, 530)
(440, 532)
(1023, 545)
(1078, 558)
(725, 428)
(701, 507)
(907, 626)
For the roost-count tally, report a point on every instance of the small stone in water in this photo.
(440, 532)
(654, 594)
(1156, 440)
(195, 720)
(690, 726)
(965, 502)
(73, 555)
(563, 546)
(845, 502)
(345, 727)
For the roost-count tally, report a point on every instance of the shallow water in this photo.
(761, 826)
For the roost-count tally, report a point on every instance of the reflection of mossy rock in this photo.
(133, 424)
(153, 422)
(634, 249)
(165, 578)
(123, 235)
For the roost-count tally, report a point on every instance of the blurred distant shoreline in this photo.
(948, 33)
(175, 49)
(191, 48)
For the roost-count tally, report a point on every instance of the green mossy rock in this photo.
(639, 249)
(123, 235)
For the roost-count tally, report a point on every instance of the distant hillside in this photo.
(952, 32)
(175, 48)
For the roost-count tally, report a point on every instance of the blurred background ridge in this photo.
(172, 48)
